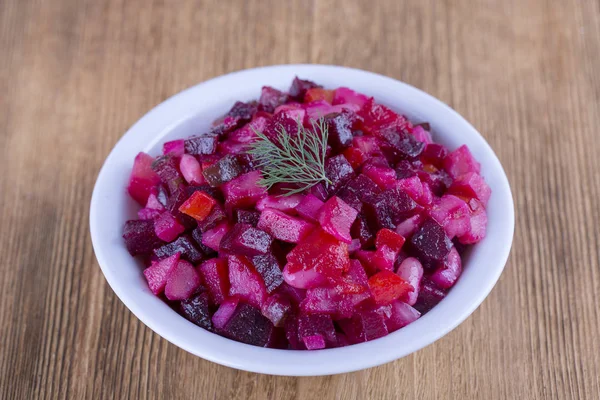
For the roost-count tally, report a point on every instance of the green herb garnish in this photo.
(293, 159)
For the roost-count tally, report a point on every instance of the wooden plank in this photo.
(74, 75)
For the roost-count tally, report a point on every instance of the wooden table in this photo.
(74, 75)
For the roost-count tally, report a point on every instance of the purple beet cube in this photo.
(363, 326)
(216, 216)
(268, 267)
(317, 325)
(203, 144)
(350, 198)
(399, 144)
(389, 208)
(299, 88)
(244, 191)
(340, 129)
(429, 296)
(140, 237)
(167, 227)
(174, 201)
(247, 217)
(246, 240)
(309, 207)
(431, 242)
(243, 111)
(363, 187)
(166, 167)
(361, 230)
(213, 192)
(196, 310)
(183, 245)
(248, 325)
(224, 170)
(276, 308)
(338, 170)
(279, 122)
(270, 98)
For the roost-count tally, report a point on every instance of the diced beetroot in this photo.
(198, 206)
(244, 191)
(367, 258)
(289, 106)
(246, 134)
(471, 185)
(319, 191)
(248, 325)
(204, 144)
(270, 98)
(299, 88)
(411, 186)
(453, 214)
(434, 154)
(386, 286)
(157, 273)
(447, 274)
(212, 237)
(221, 127)
(388, 208)
(247, 217)
(243, 111)
(477, 224)
(143, 179)
(315, 94)
(355, 157)
(283, 227)
(336, 218)
(230, 147)
(268, 268)
(385, 178)
(402, 315)
(225, 312)
(421, 134)
(363, 326)
(182, 281)
(167, 228)
(317, 325)
(411, 271)
(320, 300)
(354, 246)
(309, 208)
(291, 333)
(196, 310)
(294, 294)
(426, 196)
(276, 308)
(174, 147)
(338, 170)
(340, 129)
(224, 170)
(216, 216)
(148, 213)
(377, 117)
(429, 296)
(215, 275)
(397, 144)
(182, 245)
(460, 162)
(314, 342)
(315, 258)
(361, 230)
(344, 95)
(167, 168)
(245, 281)
(431, 241)
(191, 170)
(410, 225)
(281, 203)
(246, 240)
(367, 144)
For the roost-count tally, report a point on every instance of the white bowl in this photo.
(191, 112)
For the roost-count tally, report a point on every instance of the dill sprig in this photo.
(292, 159)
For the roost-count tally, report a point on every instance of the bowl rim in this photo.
(226, 352)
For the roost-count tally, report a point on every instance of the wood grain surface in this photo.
(75, 74)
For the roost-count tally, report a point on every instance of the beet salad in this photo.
(308, 219)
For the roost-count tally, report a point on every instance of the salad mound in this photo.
(308, 219)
